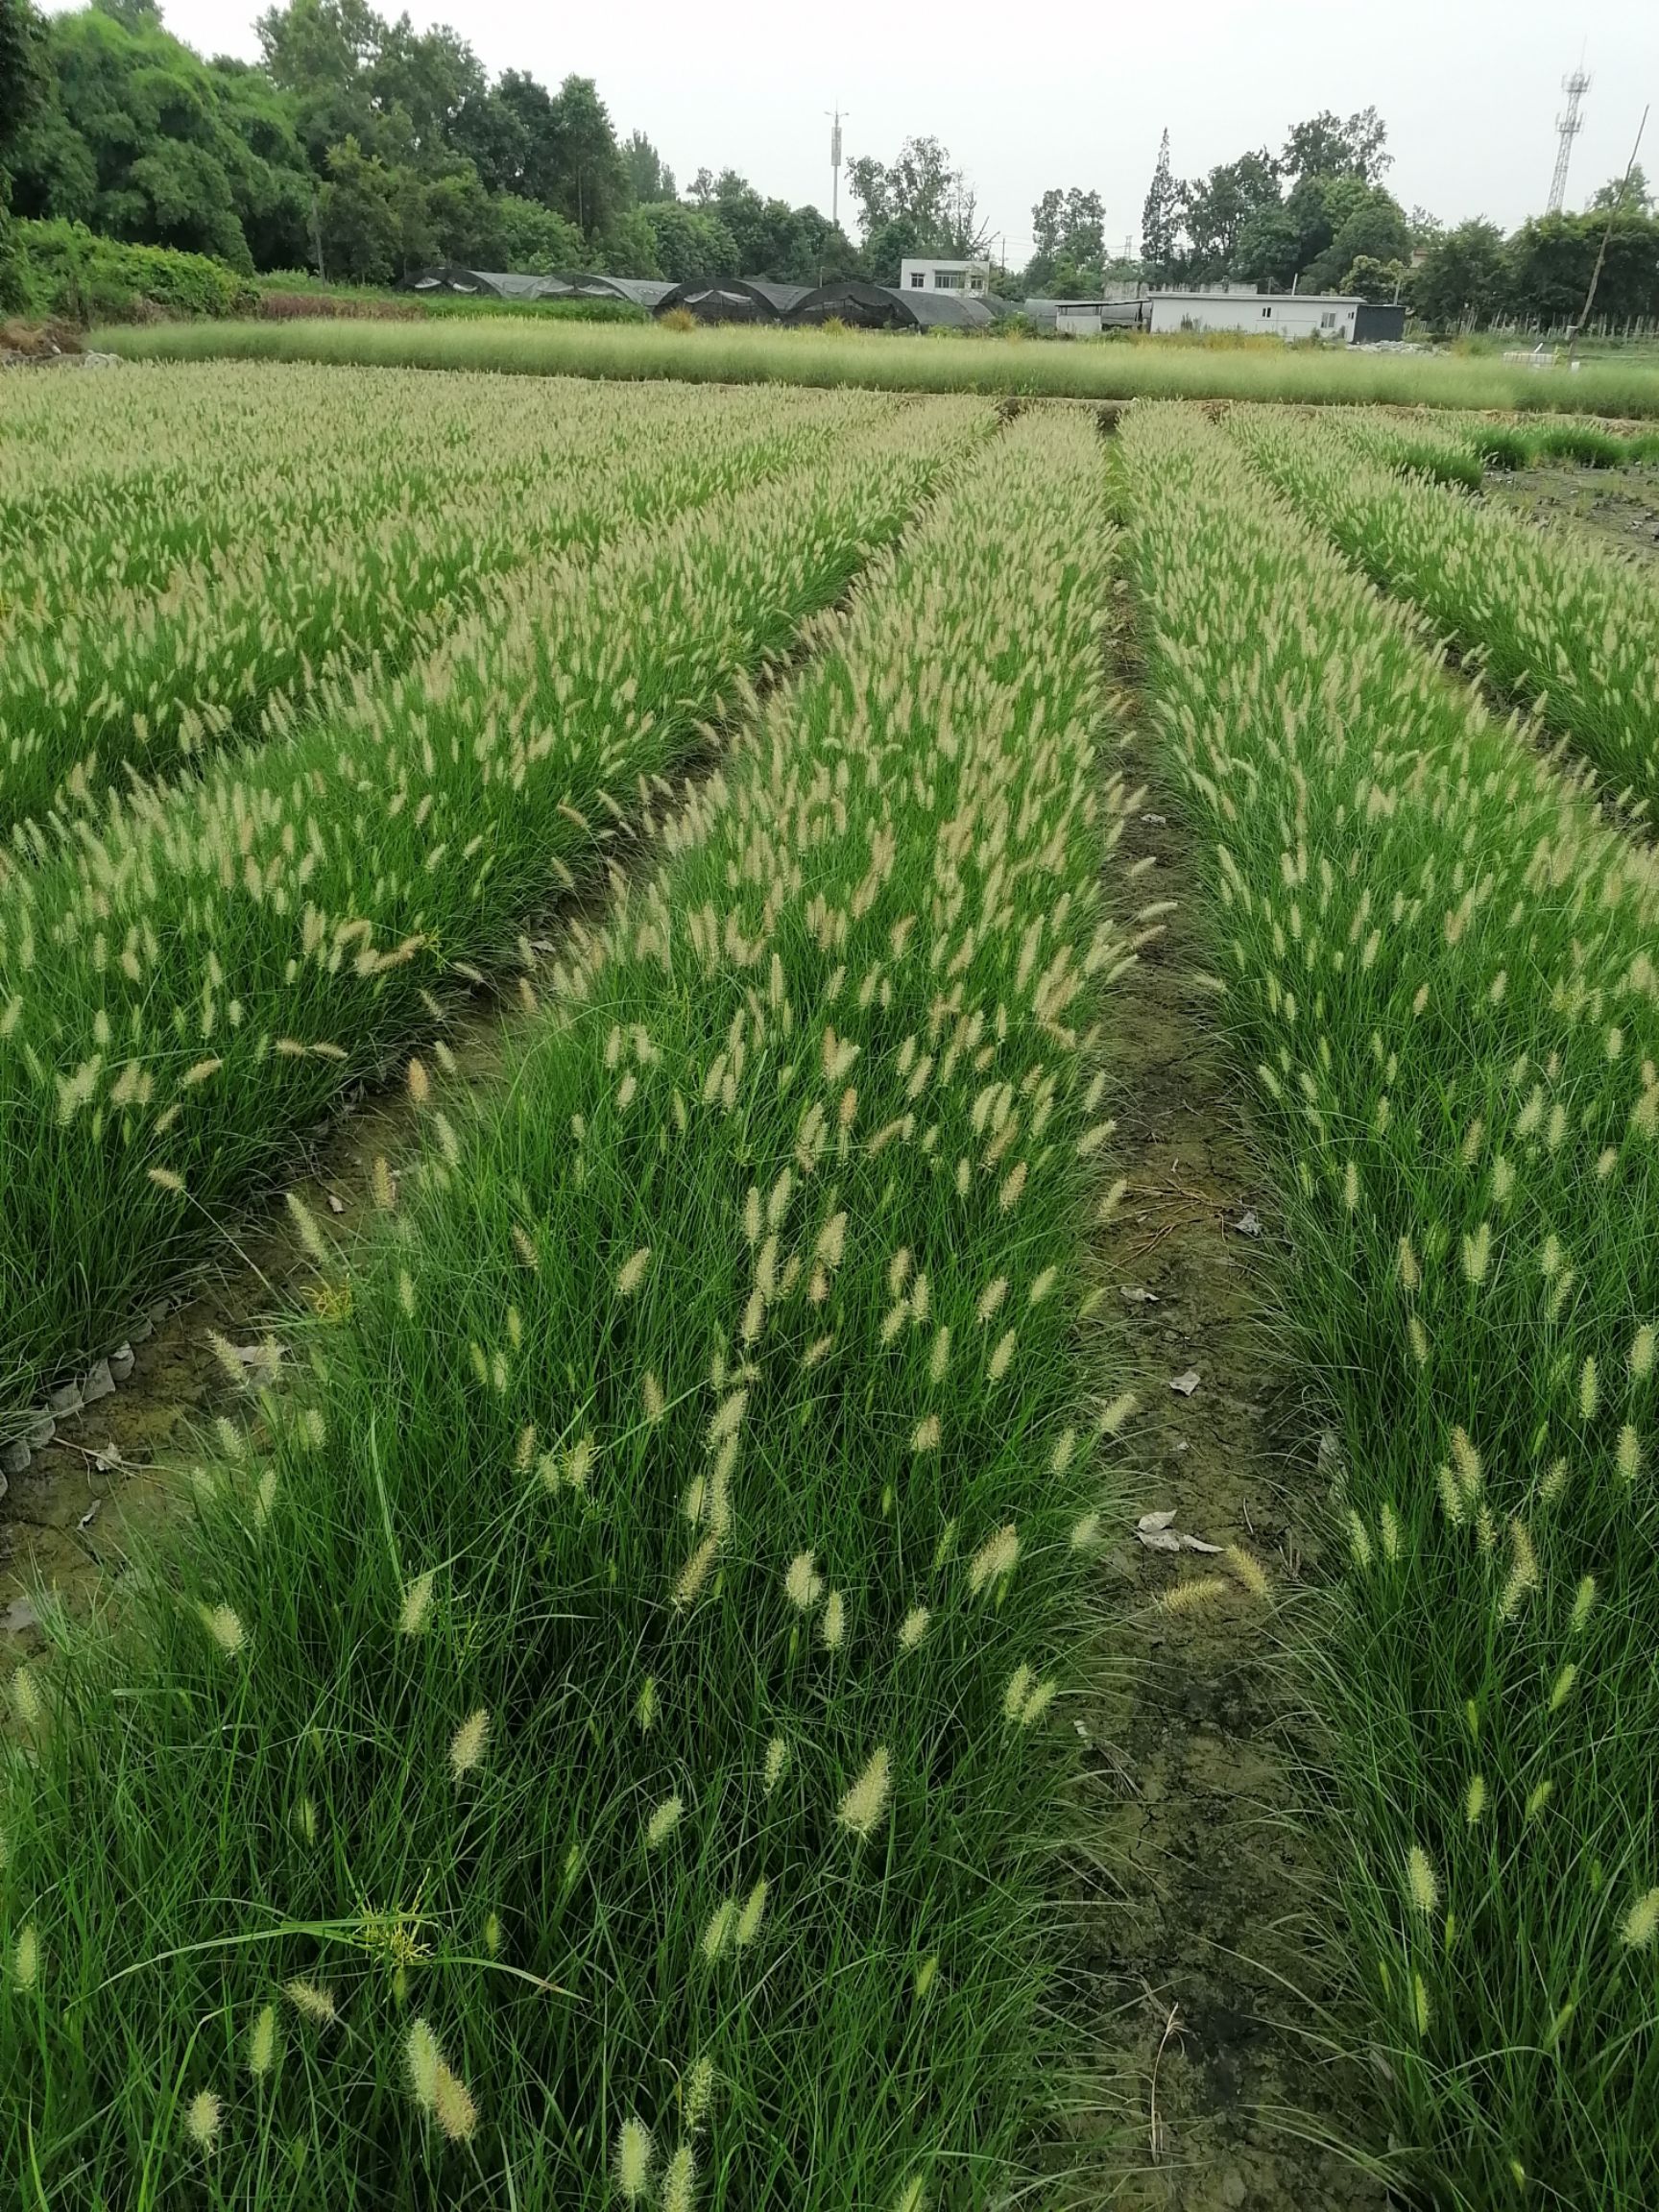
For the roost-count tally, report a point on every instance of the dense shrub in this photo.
(65, 269)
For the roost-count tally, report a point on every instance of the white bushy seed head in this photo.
(452, 2102)
(697, 2093)
(26, 1958)
(863, 1803)
(421, 2059)
(802, 1584)
(202, 2117)
(664, 1822)
(416, 1610)
(467, 1746)
(679, 2181)
(635, 2152)
(224, 1626)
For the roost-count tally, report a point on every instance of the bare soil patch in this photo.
(1618, 507)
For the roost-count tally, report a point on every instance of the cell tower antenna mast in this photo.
(1567, 128)
(835, 115)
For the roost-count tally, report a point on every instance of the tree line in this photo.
(363, 148)
(1317, 216)
(366, 148)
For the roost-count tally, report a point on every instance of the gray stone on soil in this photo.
(142, 1330)
(15, 1457)
(40, 1432)
(99, 1384)
(121, 1363)
(66, 1400)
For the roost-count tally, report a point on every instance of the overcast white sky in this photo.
(1070, 93)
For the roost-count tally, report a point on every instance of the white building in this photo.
(1327, 315)
(927, 275)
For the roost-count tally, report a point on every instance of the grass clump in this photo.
(1441, 975)
(574, 1739)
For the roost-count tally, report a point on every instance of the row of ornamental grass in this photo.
(1083, 368)
(192, 978)
(1546, 616)
(603, 1734)
(1437, 964)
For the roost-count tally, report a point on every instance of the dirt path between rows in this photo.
(1228, 2069)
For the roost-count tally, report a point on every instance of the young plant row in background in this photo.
(607, 1728)
(1440, 968)
(188, 987)
(1546, 616)
(1112, 368)
(279, 536)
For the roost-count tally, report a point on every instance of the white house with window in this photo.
(927, 275)
(1327, 315)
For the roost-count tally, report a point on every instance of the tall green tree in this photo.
(690, 242)
(1375, 228)
(530, 105)
(22, 92)
(590, 183)
(1160, 220)
(534, 239)
(1069, 226)
(365, 219)
(1217, 208)
(649, 177)
(487, 131)
(1326, 146)
(1548, 262)
(141, 138)
(1462, 276)
(1632, 195)
(921, 196)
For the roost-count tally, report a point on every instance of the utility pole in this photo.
(316, 235)
(1606, 236)
(1567, 128)
(834, 165)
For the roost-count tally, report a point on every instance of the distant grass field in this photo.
(939, 363)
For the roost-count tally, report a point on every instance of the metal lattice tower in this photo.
(1567, 128)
